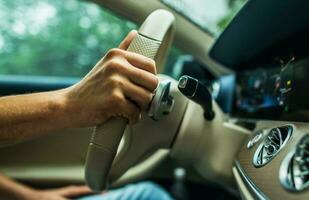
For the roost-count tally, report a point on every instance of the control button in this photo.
(255, 139)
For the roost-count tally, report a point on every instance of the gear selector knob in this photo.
(197, 92)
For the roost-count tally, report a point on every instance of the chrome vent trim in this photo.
(294, 170)
(271, 145)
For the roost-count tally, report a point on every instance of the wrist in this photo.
(60, 107)
(24, 193)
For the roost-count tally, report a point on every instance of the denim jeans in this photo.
(138, 191)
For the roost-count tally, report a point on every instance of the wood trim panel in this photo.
(266, 178)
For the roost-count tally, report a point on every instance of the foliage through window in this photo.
(211, 15)
(56, 37)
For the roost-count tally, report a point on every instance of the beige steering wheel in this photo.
(103, 167)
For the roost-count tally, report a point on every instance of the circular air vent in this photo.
(294, 170)
(271, 145)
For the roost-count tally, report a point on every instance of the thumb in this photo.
(127, 40)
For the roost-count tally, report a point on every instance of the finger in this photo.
(142, 78)
(139, 95)
(127, 40)
(71, 191)
(138, 76)
(131, 111)
(141, 62)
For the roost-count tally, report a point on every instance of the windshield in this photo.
(210, 15)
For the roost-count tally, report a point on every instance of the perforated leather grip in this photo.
(101, 154)
(144, 46)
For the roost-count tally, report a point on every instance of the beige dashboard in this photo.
(276, 177)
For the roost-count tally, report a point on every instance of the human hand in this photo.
(121, 84)
(64, 193)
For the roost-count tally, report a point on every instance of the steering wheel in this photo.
(103, 164)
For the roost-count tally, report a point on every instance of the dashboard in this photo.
(270, 168)
(269, 53)
(273, 163)
(274, 91)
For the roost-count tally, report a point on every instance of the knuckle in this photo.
(117, 99)
(114, 65)
(113, 52)
(115, 82)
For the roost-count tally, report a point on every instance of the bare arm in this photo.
(121, 84)
(28, 116)
(10, 189)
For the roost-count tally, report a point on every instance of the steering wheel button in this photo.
(255, 139)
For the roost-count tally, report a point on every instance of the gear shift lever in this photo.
(197, 92)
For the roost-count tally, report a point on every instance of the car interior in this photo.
(230, 119)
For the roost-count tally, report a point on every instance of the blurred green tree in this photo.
(56, 37)
(234, 7)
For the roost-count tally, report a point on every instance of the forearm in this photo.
(9, 189)
(24, 117)
(121, 84)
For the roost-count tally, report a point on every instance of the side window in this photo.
(56, 37)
